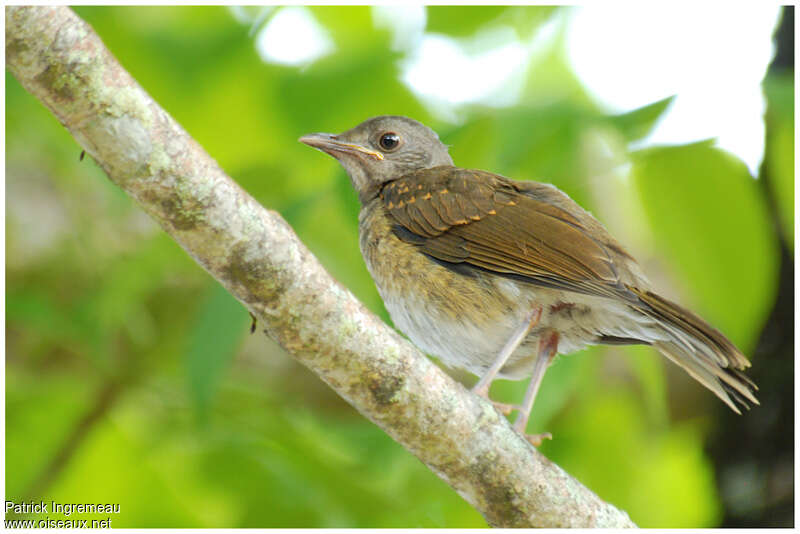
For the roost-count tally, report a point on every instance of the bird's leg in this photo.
(548, 346)
(482, 387)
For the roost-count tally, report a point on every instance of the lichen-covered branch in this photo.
(253, 252)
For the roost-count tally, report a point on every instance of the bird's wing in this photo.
(474, 218)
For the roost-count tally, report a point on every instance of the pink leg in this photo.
(482, 387)
(548, 346)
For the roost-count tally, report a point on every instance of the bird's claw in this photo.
(481, 391)
(504, 408)
(537, 439)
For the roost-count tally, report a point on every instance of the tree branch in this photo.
(254, 253)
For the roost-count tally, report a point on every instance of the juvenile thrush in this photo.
(496, 276)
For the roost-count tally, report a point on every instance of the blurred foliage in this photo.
(711, 218)
(779, 89)
(211, 427)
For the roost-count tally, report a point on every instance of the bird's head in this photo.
(381, 149)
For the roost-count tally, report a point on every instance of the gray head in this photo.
(381, 149)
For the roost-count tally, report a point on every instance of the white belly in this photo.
(463, 343)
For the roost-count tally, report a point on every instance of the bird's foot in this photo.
(522, 420)
(537, 439)
(481, 390)
(503, 407)
(533, 439)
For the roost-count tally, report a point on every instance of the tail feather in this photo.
(704, 352)
(730, 385)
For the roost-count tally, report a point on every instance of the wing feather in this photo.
(489, 222)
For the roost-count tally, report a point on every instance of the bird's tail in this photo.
(701, 350)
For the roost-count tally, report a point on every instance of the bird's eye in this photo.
(389, 141)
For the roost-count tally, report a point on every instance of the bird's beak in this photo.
(330, 144)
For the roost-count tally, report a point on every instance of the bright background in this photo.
(130, 374)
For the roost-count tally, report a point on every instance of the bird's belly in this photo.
(472, 339)
(462, 340)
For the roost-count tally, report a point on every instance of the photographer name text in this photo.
(66, 509)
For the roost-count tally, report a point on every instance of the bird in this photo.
(496, 276)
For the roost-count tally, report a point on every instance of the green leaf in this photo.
(460, 21)
(779, 150)
(37, 421)
(648, 367)
(662, 479)
(154, 488)
(465, 21)
(710, 225)
(220, 325)
(350, 87)
(339, 22)
(545, 145)
(527, 19)
(637, 124)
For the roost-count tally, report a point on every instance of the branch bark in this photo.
(254, 253)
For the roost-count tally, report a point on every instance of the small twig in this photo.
(104, 400)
